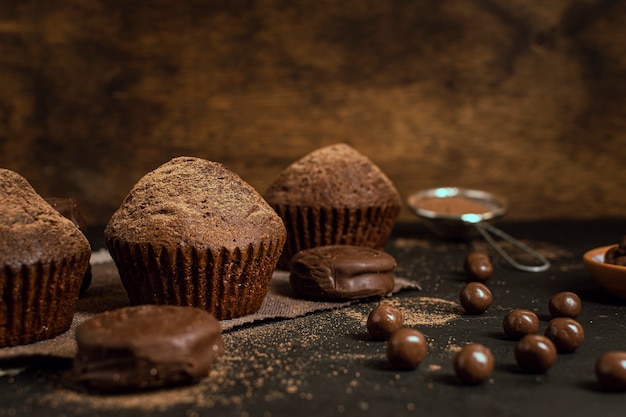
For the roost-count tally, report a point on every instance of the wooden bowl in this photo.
(610, 277)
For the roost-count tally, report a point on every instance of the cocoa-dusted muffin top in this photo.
(337, 176)
(31, 230)
(194, 202)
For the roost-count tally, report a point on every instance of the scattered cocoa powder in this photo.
(418, 311)
(247, 368)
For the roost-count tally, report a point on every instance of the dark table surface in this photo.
(325, 363)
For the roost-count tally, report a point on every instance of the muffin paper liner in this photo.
(37, 301)
(309, 227)
(226, 283)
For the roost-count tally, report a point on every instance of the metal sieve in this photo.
(480, 206)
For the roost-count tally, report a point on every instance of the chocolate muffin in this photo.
(193, 233)
(334, 196)
(43, 258)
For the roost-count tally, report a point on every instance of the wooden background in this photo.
(526, 98)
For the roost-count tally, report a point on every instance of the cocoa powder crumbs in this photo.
(254, 365)
(249, 369)
(419, 311)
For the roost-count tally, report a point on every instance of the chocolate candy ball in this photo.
(566, 333)
(565, 304)
(617, 254)
(520, 322)
(406, 349)
(475, 298)
(474, 363)
(384, 320)
(535, 353)
(478, 267)
(611, 370)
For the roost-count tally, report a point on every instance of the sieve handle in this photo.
(488, 230)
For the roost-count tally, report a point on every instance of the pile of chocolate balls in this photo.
(474, 362)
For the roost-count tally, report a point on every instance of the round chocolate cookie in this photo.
(148, 346)
(342, 272)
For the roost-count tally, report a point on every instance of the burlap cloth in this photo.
(107, 293)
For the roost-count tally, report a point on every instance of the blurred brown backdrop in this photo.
(525, 98)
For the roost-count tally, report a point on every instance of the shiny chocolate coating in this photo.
(146, 346)
(342, 272)
(565, 304)
(610, 370)
(383, 321)
(566, 333)
(474, 363)
(406, 349)
(617, 254)
(478, 267)
(535, 353)
(520, 322)
(475, 298)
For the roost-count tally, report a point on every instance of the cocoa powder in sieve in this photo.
(453, 205)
